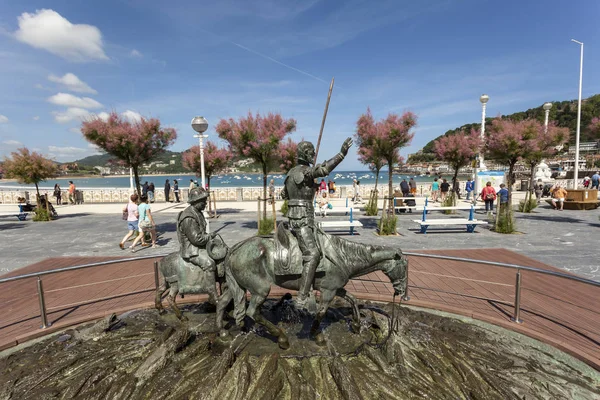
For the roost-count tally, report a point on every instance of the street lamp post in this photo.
(546, 107)
(200, 125)
(479, 165)
(576, 171)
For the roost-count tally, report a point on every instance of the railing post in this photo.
(156, 283)
(43, 316)
(517, 315)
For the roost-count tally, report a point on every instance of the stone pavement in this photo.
(567, 239)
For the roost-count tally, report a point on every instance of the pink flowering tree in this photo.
(457, 150)
(132, 142)
(508, 142)
(257, 137)
(385, 138)
(216, 160)
(30, 168)
(543, 145)
(288, 155)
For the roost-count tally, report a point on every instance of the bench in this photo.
(340, 224)
(22, 216)
(351, 223)
(335, 210)
(470, 223)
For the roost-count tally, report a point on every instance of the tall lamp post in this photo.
(479, 165)
(576, 171)
(546, 107)
(200, 125)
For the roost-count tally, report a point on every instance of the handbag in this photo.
(489, 196)
(125, 214)
(145, 224)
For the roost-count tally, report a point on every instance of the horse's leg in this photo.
(253, 312)
(327, 296)
(354, 305)
(224, 299)
(160, 291)
(171, 299)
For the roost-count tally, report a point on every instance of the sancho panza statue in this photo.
(299, 189)
(191, 232)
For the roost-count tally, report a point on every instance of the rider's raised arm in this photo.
(195, 233)
(325, 168)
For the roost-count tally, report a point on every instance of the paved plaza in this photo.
(566, 239)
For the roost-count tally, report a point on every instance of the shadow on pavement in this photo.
(12, 225)
(72, 215)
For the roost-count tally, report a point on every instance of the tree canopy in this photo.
(29, 167)
(132, 142)
(216, 160)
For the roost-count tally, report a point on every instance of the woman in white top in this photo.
(132, 220)
(145, 223)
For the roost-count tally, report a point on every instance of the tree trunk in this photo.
(37, 195)
(264, 196)
(511, 182)
(531, 182)
(377, 178)
(209, 199)
(390, 187)
(136, 178)
(454, 189)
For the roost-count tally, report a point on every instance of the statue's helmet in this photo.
(197, 194)
(306, 152)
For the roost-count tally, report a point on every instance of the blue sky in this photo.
(62, 60)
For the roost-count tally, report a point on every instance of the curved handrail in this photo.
(506, 265)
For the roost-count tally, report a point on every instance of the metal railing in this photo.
(518, 282)
(517, 303)
(40, 286)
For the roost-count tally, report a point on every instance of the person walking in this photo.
(145, 188)
(469, 187)
(445, 188)
(323, 188)
(503, 196)
(167, 191)
(176, 190)
(271, 191)
(132, 220)
(596, 180)
(150, 193)
(539, 190)
(145, 224)
(71, 192)
(412, 184)
(404, 188)
(435, 190)
(57, 194)
(488, 195)
(192, 184)
(559, 194)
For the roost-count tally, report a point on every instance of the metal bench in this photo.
(335, 210)
(340, 224)
(470, 223)
(350, 223)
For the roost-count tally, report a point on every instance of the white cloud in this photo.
(50, 31)
(37, 117)
(135, 54)
(68, 100)
(71, 114)
(72, 83)
(74, 130)
(67, 150)
(103, 116)
(12, 143)
(3, 119)
(132, 116)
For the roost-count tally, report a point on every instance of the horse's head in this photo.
(398, 273)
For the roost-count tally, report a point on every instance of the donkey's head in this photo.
(397, 272)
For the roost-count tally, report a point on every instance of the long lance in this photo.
(323, 121)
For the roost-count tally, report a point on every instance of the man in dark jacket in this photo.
(167, 191)
(145, 188)
(176, 190)
(404, 188)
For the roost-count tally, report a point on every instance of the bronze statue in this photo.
(299, 189)
(259, 262)
(193, 269)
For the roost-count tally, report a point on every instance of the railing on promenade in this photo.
(518, 281)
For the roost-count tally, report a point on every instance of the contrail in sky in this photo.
(278, 62)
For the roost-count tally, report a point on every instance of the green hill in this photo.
(563, 112)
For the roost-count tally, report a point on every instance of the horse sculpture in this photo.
(250, 265)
